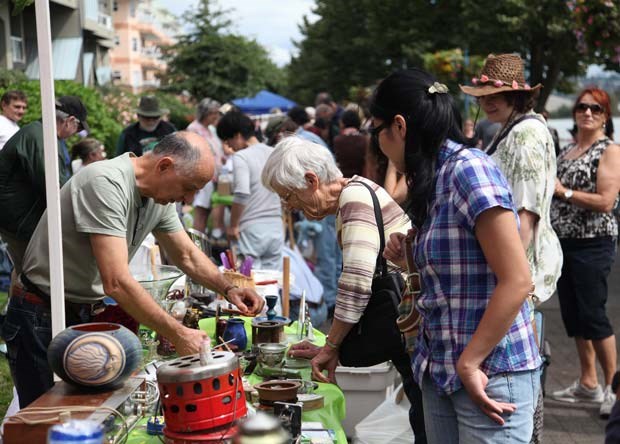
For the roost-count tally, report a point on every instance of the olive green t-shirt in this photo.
(102, 198)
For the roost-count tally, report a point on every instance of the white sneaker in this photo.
(609, 399)
(577, 392)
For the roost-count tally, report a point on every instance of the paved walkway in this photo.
(569, 423)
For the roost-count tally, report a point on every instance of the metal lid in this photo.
(188, 368)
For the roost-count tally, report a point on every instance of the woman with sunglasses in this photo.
(476, 359)
(586, 192)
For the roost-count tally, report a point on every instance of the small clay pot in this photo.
(277, 390)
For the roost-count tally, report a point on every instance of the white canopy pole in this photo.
(50, 143)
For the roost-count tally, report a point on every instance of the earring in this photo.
(604, 125)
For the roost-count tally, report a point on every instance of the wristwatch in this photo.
(568, 194)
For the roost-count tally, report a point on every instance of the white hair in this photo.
(292, 158)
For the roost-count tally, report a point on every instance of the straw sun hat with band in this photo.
(500, 73)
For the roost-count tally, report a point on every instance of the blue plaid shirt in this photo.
(457, 281)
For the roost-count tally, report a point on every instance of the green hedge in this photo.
(110, 109)
(101, 119)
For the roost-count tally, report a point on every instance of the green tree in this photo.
(210, 61)
(356, 42)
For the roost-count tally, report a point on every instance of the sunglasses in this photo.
(595, 108)
(374, 132)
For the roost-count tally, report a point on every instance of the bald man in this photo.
(108, 208)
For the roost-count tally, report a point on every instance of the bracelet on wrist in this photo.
(331, 345)
(228, 288)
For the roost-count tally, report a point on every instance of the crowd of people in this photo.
(504, 218)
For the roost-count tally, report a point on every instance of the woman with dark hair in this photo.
(524, 150)
(586, 192)
(476, 358)
(350, 145)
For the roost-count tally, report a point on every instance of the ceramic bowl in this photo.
(278, 390)
(271, 354)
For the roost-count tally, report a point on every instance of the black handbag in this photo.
(376, 337)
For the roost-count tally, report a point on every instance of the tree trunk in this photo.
(553, 74)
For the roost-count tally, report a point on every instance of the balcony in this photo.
(96, 20)
(150, 83)
(73, 4)
(151, 52)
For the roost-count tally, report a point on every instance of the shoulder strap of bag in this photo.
(381, 262)
(504, 133)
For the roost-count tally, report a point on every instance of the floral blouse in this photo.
(526, 156)
(571, 221)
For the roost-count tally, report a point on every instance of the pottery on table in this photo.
(277, 390)
(271, 301)
(96, 355)
(235, 332)
(271, 354)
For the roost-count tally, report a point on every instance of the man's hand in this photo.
(304, 349)
(188, 341)
(247, 300)
(475, 381)
(232, 233)
(327, 359)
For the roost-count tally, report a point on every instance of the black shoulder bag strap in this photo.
(489, 151)
(381, 262)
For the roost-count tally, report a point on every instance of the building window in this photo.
(117, 40)
(115, 5)
(132, 8)
(17, 39)
(134, 44)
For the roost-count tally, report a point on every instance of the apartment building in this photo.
(82, 35)
(142, 28)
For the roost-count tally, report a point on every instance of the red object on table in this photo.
(202, 403)
(114, 313)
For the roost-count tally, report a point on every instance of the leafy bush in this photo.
(110, 109)
(101, 118)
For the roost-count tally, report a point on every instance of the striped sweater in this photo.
(359, 239)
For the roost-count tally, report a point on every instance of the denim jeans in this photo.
(27, 331)
(455, 419)
(328, 260)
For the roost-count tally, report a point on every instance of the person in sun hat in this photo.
(143, 135)
(524, 150)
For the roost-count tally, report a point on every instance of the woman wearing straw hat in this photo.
(524, 150)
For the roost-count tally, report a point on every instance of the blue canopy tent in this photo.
(263, 103)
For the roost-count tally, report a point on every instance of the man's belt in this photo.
(34, 295)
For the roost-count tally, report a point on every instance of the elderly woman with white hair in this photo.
(306, 178)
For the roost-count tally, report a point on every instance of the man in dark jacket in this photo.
(143, 135)
(22, 175)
